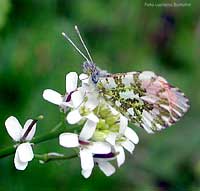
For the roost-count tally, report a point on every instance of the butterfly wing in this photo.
(146, 99)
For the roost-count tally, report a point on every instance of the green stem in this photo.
(56, 131)
(47, 157)
(51, 135)
(7, 151)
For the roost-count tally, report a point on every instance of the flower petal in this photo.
(65, 105)
(131, 135)
(77, 98)
(13, 128)
(74, 117)
(32, 131)
(68, 140)
(111, 138)
(128, 145)
(123, 124)
(52, 96)
(120, 155)
(86, 173)
(71, 81)
(93, 117)
(87, 130)
(107, 168)
(87, 161)
(84, 78)
(25, 152)
(100, 148)
(92, 102)
(19, 165)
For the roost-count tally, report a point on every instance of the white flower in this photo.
(84, 103)
(102, 162)
(87, 150)
(24, 152)
(58, 99)
(125, 139)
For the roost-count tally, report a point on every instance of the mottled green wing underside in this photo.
(146, 99)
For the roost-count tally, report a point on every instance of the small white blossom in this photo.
(126, 138)
(87, 150)
(84, 102)
(58, 99)
(24, 152)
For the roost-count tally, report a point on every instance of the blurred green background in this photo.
(122, 36)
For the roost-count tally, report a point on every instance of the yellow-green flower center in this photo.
(108, 122)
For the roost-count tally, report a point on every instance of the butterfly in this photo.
(147, 100)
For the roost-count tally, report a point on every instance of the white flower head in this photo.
(84, 103)
(126, 138)
(60, 100)
(24, 152)
(111, 127)
(105, 131)
(87, 150)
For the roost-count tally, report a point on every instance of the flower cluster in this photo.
(101, 139)
(104, 134)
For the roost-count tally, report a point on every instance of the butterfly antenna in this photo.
(83, 43)
(71, 42)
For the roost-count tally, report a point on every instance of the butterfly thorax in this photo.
(90, 69)
(93, 71)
